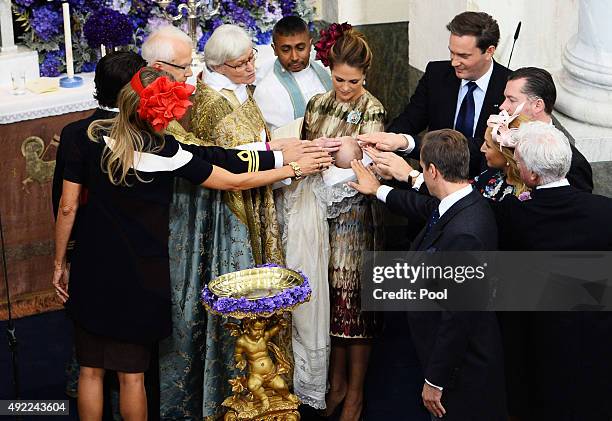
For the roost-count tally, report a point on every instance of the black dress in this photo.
(119, 282)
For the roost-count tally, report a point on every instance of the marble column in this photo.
(7, 40)
(584, 90)
(585, 83)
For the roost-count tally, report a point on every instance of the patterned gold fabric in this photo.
(183, 136)
(219, 121)
(327, 117)
(211, 233)
(357, 230)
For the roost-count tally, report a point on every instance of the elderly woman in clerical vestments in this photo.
(242, 227)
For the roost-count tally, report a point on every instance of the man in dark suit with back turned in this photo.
(460, 352)
(461, 93)
(568, 354)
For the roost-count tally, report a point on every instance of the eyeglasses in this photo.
(176, 66)
(243, 64)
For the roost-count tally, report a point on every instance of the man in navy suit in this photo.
(460, 352)
(459, 93)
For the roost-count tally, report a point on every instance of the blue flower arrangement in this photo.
(130, 21)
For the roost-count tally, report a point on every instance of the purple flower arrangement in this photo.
(51, 63)
(285, 300)
(46, 22)
(96, 29)
(126, 22)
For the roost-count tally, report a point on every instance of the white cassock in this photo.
(274, 100)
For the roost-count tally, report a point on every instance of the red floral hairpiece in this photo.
(162, 101)
(328, 38)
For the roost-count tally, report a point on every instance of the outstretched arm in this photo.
(221, 179)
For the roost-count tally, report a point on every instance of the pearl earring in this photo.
(364, 82)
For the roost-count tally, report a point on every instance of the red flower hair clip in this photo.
(328, 38)
(162, 101)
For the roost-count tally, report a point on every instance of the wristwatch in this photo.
(412, 175)
(296, 169)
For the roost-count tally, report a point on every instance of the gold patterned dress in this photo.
(354, 224)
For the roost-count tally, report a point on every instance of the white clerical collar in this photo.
(559, 183)
(217, 81)
(483, 81)
(451, 199)
(114, 110)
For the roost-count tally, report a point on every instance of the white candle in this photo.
(103, 50)
(68, 40)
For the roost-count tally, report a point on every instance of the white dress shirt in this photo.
(559, 183)
(479, 95)
(451, 199)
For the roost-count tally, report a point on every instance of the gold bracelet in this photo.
(296, 169)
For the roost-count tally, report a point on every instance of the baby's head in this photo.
(348, 151)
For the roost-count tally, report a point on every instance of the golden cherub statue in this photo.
(254, 343)
(269, 391)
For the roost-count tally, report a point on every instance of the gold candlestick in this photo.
(195, 9)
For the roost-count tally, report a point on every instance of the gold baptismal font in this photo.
(258, 298)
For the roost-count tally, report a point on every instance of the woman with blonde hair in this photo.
(502, 176)
(119, 295)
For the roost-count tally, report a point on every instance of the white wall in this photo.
(362, 12)
(546, 27)
(428, 35)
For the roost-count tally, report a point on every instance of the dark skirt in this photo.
(103, 352)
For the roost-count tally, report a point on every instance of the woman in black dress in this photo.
(120, 288)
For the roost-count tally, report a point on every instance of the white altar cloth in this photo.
(15, 108)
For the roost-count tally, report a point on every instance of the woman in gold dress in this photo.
(348, 110)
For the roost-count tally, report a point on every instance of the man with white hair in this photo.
(568, 353)
(169, 49)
